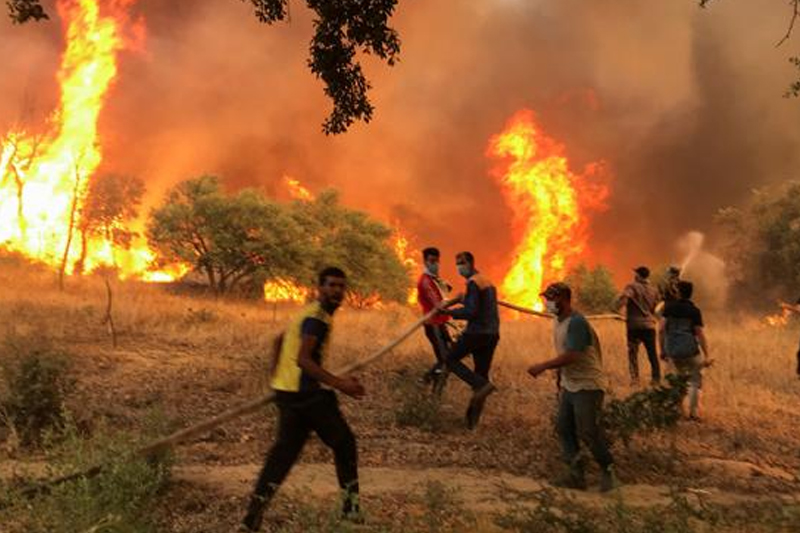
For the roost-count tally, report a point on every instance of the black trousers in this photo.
(299, 414)
(648, 338)
(579, 420)
(481, 347)
(441, 342)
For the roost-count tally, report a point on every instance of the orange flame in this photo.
(297, 191)
(44, 179)
(285, 291)
(407, 257)
(550, 205)
(779, 320)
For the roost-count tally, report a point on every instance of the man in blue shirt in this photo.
(480, 337)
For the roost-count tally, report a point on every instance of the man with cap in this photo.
(640, 299)
(668, 288)
(582, 385)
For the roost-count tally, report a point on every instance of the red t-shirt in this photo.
(429, 295)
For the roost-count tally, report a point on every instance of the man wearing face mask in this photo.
(579, 360)
(431, 291)
(480, 337)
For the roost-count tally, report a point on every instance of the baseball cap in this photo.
(556, 290)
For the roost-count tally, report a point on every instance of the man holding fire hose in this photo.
(431, 291)
(304, 406)
(480, 337)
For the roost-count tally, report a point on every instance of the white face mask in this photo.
(551, 307)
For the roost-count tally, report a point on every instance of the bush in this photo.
(120, 499)
(594, 289)
(35, 383)
(647, 410)
(417, 406)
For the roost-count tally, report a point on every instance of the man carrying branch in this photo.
(304, 406)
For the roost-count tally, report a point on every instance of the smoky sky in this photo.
(683, 105)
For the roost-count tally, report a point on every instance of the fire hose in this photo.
(540, 314)
(163, 444)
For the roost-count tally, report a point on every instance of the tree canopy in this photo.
(342, 29)
(762, 251)
(246, 238)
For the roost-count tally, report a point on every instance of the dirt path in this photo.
(481, 491)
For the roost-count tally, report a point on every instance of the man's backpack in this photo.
(680, 341)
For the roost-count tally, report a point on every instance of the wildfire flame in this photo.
(407, 256)
(550, 204)
(44, 178)
(779, 320)
(297, 191)
(285, 291)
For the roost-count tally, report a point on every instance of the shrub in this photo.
(647, 410)
(119, 499)
(594, 288)
(35, 383)
(417, 407)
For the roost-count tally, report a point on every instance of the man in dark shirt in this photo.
(480, 337)
(640, 299)
(683, 342)
(304, 406)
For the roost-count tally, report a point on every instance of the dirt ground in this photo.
(188, 358)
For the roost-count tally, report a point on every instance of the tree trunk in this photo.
(70, 229)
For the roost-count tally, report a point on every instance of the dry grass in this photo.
(191, 356)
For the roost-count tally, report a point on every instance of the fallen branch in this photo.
(540, 314)
(155, 448)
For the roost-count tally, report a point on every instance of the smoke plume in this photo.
(684, 106)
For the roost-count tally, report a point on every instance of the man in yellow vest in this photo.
(304, 406)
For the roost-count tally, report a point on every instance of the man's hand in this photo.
(537, 370)
(351, 387)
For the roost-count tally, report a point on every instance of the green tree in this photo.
(353, 241)
(228, 238)
(111, 203)
(342, 29)
(594, 288)
(762, 248)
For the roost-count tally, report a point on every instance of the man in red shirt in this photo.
(431, 290)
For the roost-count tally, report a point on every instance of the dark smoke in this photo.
(683, 104)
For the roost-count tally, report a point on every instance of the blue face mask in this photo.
(433, 268)
(464, 270)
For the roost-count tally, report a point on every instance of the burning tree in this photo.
(342, 29)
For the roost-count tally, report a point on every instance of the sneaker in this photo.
(608, 479)
(477, 403)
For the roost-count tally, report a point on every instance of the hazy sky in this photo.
(684, 105)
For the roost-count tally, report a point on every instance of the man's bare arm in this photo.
(564, 359)
(276, 352)
(701, 338)
(347, 385)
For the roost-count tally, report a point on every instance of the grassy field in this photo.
(188, 357)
